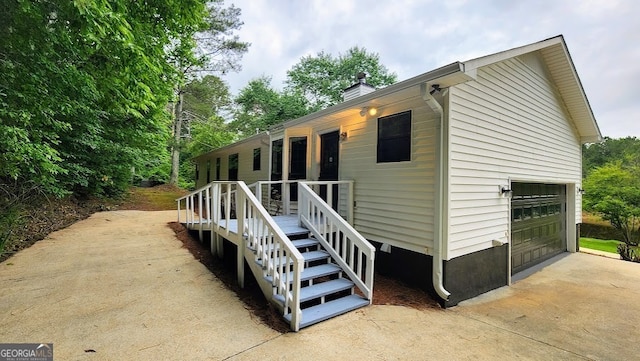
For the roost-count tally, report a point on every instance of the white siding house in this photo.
(486, 184)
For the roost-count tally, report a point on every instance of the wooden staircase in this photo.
(325, 291)
(312, 265)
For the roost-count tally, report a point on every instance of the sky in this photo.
(415, 36)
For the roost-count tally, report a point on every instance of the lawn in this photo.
(600, 245)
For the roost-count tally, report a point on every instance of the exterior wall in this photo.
(394, 201)
(245, 159)
(508, 125)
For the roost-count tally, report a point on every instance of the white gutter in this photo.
(439, 199)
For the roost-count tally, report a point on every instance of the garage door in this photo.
(538, 230)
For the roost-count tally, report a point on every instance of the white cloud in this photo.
(413, 37)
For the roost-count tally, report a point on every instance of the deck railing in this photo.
(281, 261)
(231, 210)
(347, 247)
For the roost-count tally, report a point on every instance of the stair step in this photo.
(308, 257)
(320, 289)
(305, 243)
(298, 243)
(330, 309)
(314, 272)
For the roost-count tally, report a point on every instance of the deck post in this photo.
(241, 215)
(200, 220)
(350, 203)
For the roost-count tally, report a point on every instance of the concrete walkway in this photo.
(120, 284)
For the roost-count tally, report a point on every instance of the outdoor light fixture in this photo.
(343, 136)
(506, 191)
(580, 190)
(368, 110)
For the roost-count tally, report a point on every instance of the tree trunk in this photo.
(177, 135)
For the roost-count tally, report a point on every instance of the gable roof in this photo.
(553, 51)
(556, 56)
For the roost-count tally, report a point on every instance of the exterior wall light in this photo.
(343, 136)
(368, 110)
(506, 191)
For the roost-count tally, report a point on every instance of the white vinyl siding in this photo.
(507, 125)
(244, 150)
(394, 201)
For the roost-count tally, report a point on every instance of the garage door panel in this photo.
(537, 223)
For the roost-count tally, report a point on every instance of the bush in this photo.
(628, 253)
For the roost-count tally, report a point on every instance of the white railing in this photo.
(353, 253)
(220, 205)
(281, 261)
(338, 192)
(275, 196)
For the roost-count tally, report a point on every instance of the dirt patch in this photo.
(386, 291)
(158, 198)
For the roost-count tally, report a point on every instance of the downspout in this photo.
(439, 198)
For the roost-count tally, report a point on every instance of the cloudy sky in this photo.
(415, 36)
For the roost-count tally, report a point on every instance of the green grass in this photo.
(610, 246)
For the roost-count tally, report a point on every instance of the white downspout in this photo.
(439, 202)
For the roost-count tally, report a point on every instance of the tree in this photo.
(205, 100)
(613, 191)
(323, 78)
(216, 49)
(83, 94)
(84, 89)
(596, 155)
(259, 107)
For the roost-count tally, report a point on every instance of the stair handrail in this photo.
(275, 250)
(353, 253)
(282, 261)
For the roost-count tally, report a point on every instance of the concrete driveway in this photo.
(118, 286)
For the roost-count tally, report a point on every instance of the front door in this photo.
(329, 165)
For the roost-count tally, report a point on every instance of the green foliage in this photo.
(322, 78)
(208, 135)
(85, 86)
(314, 83)
(259, 107)
(613, 191)
(216, 49)
(629, 253)
(626, 150)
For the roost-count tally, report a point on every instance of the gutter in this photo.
(439, 198)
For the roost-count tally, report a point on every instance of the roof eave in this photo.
(405, 84)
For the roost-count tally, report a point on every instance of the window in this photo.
(233, 167)
(197, 172)
(256, 159)
(218, 168)
(394, 138)
(208, 171)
